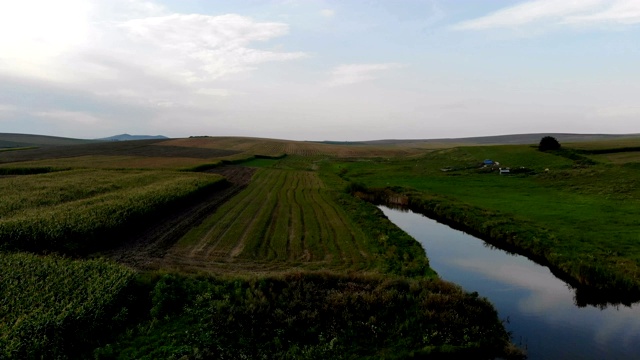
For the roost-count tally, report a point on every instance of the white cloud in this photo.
(202, 47)
(569, 12)
(327, 13)
(617, 112)
(622, 12)
(99, 36)
(354, 73)
(7, 112)
(4, 108)
(129, 52)
(71, 117)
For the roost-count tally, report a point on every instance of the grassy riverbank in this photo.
(576, 213)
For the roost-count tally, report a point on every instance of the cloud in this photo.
(437, 15)
(100, 35)
(73, 117)
(328, 13)
(125, 62)
(617, 112)
(570, 12)
(4, 108)
(202, 47)
(622, 12)
(349, 74)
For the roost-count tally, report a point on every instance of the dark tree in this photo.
(548, 143)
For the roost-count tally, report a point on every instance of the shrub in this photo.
(548, 143)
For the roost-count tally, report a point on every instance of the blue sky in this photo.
(319, 70)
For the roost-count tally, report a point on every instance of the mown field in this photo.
(282, 217)
(288, 219)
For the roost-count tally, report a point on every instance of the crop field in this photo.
(79, 209)
(112, 162)
(44, 299)
(285, 218)
(141, 149)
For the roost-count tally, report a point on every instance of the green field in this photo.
(581, 218)
(284, 216)
(289, 219)
(81, 210)
(57, 308)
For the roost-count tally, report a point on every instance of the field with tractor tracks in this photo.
(283, 219)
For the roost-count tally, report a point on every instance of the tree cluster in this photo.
(548, 143)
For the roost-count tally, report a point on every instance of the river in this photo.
(538, 308)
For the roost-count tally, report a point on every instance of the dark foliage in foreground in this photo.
(548, 143)
(312, 316)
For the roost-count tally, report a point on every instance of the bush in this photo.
(548, 143)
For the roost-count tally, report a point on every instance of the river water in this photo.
(538, 308)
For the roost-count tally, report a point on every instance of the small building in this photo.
(488, 162)
(504, 171)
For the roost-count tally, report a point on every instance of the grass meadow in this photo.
(586, 215)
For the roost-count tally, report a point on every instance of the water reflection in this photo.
(539, 308)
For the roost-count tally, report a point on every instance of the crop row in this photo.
(283, 216)
(82, 210)
(52, 307)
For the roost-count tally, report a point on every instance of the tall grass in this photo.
(313, 316)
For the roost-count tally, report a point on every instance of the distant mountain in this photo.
(127, 137)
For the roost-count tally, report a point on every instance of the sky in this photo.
(319, 69)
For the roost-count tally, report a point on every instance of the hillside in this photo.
(9, 140)
(514, 139)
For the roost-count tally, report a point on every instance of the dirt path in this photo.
(145, 248)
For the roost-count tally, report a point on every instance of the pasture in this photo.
(582, 218)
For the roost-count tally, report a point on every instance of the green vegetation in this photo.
(83, 210)
(289, 218)
(28, 170)
(578, 216)
(17, 148)
(57, 308)
(312, 316)
(548, 143)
